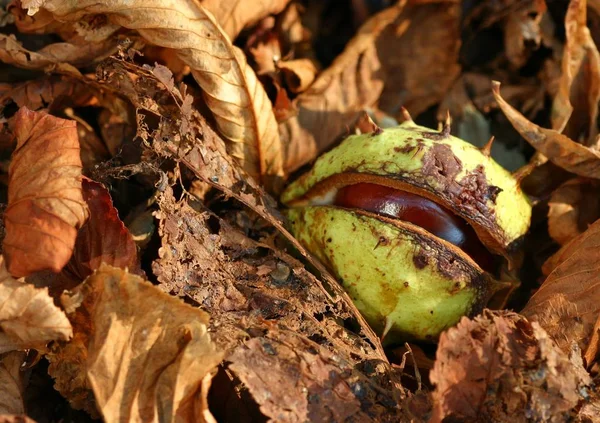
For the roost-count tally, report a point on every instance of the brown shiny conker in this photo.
(419, 211)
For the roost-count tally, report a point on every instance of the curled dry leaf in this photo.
(62, 57)
(560, 149)
(28, 316)
(146, 355)
(233, 16)
(573, 206)
(240, 105)
(372, 68)
(568, 303)
(299, 74)
(500, 367)
(45, 203)
(12, 385)
(575, 107)
(103, 239)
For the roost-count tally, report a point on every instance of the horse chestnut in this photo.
(412, 222)
(418, 210)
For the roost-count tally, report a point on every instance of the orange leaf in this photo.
(234, 16)
(45, 204)
(573, 206)
(568, 303)
(500, 367)
(575, 107)
(103, 239)
(28, 316)
(560, 149)
(146, 355)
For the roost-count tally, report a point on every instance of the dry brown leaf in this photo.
(43, 92)
(45, 204)
(28, 316)
(233, 16)
(575, 107)
(499, 367)
(374, 67)
(12, 385)
(146, 354)
(273, 361)
(568, 303)
(522, 32)
(573, 206)
(298, 74)
(103, 239)
(61, 57)
(561, 150)
(232, 91)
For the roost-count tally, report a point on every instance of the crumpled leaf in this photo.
(11, 383)
(45, 204)
(240, 105)
(146, 355)
(102, 239)
(374, 68)
(63, 57)
(28, 316)
(573, 206)
(299, 74)
(500, 367)
(42, 92)
(233, 16)
(567, 304)
(273, 361)
(575, 107)
(560, 149)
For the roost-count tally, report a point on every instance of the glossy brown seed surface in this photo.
(419, 211)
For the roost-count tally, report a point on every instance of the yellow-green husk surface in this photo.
(394, 275)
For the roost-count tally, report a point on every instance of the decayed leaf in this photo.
(28, 316)
(103, 239)
(568, 303)
(42, 92)
(248, 287)
(573, 206)
(575, 108)
(238, 101)
(62, 56)
(374, 67)
(274, 361)
(146, 354)
(500, 367)
(45, 204)
(11, 383)
(560, 149)
(233, 16)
